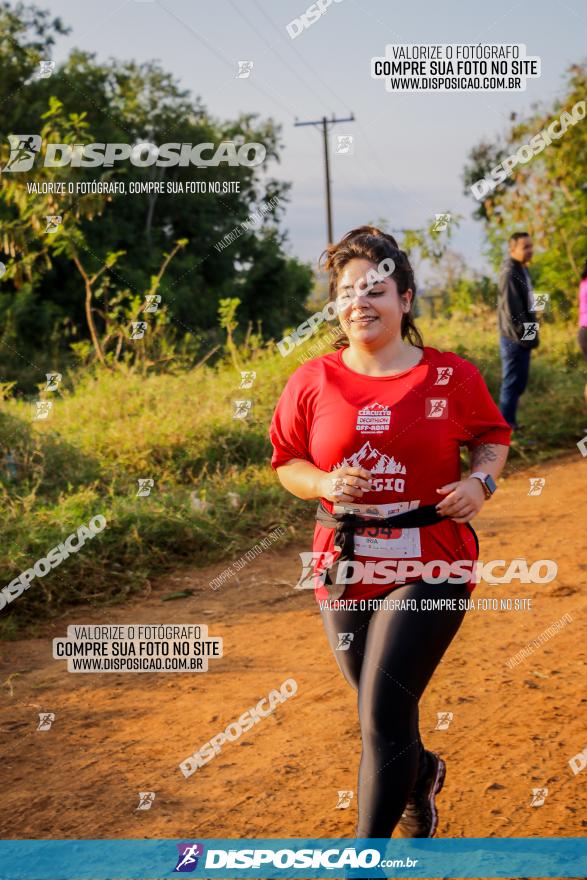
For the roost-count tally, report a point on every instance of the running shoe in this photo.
(420, 818)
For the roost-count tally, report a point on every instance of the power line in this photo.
(324, 123)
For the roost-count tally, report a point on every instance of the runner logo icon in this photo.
(314, 565)
(242, 408)
(23, 151)
(42, 409)
(539, 795)
(53, 380)
(537, 484)
(443, 720)
(46, 68)
(54, 221)
(244, 69)
(436, 408)
(441, 222)
(344, 800)
(444, 374)
(46, 719)
(189, 853)
(539, 302)
(152, 301)
(138, 329)
(146, 799)
(344, 145)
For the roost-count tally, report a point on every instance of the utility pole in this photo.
(324, 123)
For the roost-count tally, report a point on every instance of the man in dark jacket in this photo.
(518, 327)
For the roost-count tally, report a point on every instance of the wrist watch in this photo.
(486, 481)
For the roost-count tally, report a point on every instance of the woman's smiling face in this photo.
(369, 310)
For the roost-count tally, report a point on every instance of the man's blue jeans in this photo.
(515, 366)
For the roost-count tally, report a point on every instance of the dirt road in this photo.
(115, 735)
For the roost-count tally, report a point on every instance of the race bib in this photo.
(385, 542)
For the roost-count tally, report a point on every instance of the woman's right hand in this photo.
(345, 484)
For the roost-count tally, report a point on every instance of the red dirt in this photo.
(117, 734)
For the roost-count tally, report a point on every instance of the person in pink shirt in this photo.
(582, 337)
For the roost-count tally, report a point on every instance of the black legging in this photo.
(389, 662)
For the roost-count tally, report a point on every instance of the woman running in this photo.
(373, 430)
(582, 338)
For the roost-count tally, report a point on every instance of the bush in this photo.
(110, 429)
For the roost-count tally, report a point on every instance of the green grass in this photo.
(111, 429)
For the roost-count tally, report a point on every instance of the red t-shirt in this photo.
(406, 429)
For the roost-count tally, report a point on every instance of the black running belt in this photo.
(344, 524)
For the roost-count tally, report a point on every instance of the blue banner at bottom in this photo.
(532, 857)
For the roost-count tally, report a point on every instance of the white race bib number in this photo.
(385, 542)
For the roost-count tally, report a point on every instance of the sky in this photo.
(409, 149)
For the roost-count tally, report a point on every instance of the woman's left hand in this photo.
(463, 499)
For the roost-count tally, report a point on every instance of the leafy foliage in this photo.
(121, 240)
(547, 196)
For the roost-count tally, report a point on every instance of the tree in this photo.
(546, 195)
(130, 102)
